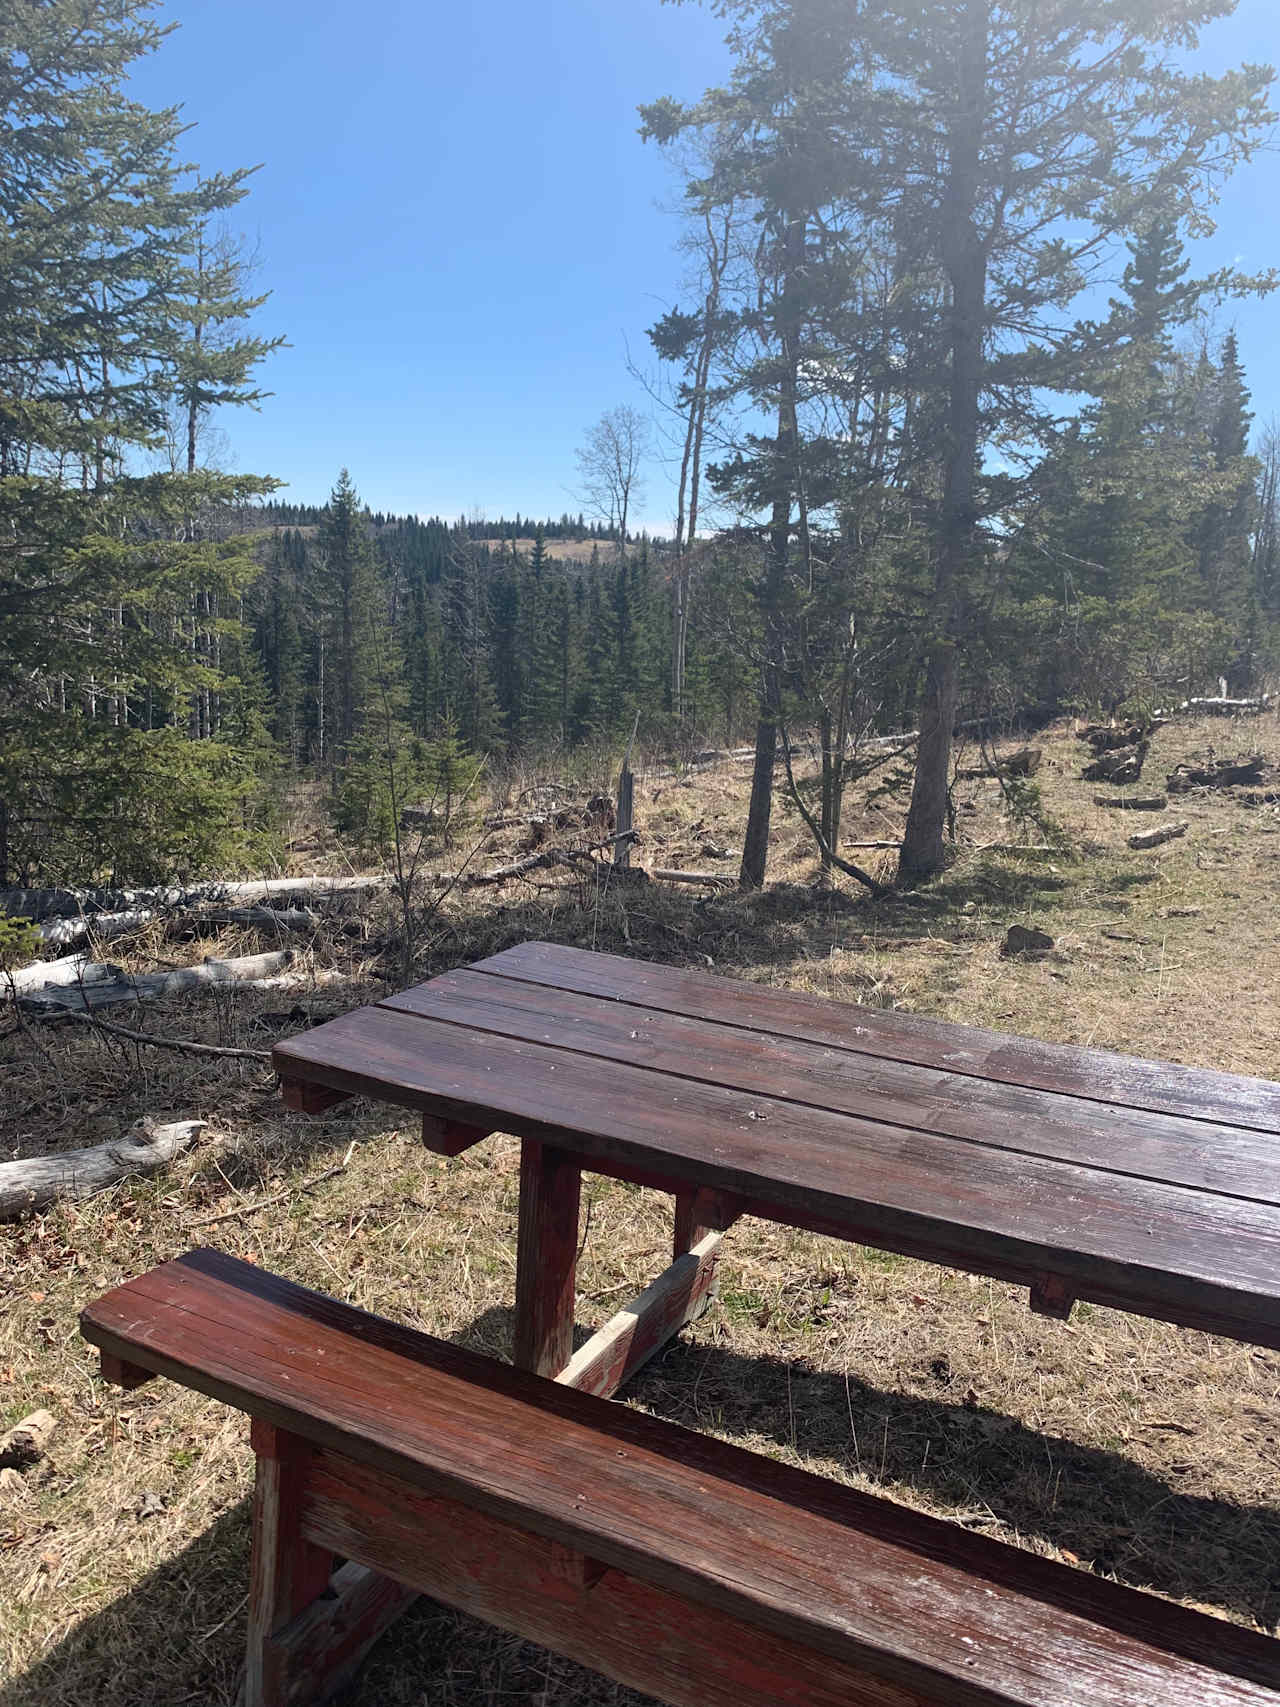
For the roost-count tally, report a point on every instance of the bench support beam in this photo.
(648, 1638)
(628, 1340)
(287, 1572)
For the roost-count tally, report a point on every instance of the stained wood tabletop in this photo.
(1139, 1184)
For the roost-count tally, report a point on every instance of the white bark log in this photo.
(26, 1187)
(57, 974)
(71, 903)
(63, 933)
(28, 1441)
(50, 999)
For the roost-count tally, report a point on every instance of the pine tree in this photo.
(351, 617)
(120, 595)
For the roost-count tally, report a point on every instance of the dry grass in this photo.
(1137, 1450)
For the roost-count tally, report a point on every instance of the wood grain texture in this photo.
(1094, 1074)
(1089, 1131)
(627, 1341)
(450, 1137)
(301, 1097)
(1198, 1257)
(287, 1571)
(636, 1634)
(546, 1257)
(906, 1599)
(315, 1656)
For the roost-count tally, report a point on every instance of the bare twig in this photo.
(845, 865)
(156, 1042)
(276, 1197)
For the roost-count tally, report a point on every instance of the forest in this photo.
(958, 438)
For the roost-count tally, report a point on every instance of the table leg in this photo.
(700, 1211)
(546, 1257)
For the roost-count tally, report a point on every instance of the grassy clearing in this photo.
(1142, 1452)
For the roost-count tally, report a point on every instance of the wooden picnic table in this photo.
(1081, 1174)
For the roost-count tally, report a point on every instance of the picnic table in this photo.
(1081, 1174)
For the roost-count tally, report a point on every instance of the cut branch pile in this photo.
(1117, 765)
(1218, 773)
(1106, 737)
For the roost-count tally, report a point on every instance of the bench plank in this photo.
(1097, 1074)
(1199, 1154)
(1194, 1257)
(912, 1601)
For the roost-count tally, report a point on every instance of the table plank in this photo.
(1094, 1074)
(1182, 1255)
(1197, 1154)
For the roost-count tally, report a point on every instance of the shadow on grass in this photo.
(177, 1637)
(989, 1469)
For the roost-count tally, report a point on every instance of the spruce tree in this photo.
(116, 587)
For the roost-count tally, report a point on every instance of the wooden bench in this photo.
(676, 1564)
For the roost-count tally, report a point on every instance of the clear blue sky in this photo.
(462, 231)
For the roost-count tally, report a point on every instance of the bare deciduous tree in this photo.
(609, 466)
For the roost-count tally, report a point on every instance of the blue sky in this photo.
(462, 231)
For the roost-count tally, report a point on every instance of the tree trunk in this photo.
(966, 262)
(755, 843)
(51, 999)
(29, 1186)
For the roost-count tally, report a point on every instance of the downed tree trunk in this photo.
(29, 1186)
(1218, 773)
(54, 974)
(716, 879)
(1218, 705)
(1153, 838)
(40, 904)
(536, 862)
(1132, 802)
(267, 918)
(65, 933)
(102, 992)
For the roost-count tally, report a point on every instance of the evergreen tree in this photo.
(120, 592)
(350, 614)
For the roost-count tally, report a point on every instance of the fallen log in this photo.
(49, 1000)
(65, 933)
(1154, 838)
(714, 879)
(1132, 802)
(1219, 705)
(50, 974)
(266, 918)
(39, 904)
(26, 1187)
(537, 862)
